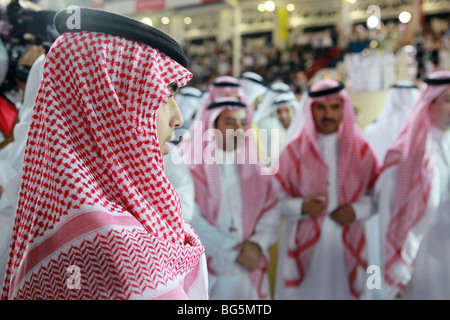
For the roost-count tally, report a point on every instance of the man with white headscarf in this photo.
(253, 86)
(193, 103)
(267, 125)
(400, 99)
(273, 130)
(413, 199)
(189, 100)
(325, 175)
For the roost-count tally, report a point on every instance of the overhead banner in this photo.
(144, 5)
(124, 6)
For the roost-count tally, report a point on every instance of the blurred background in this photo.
(367, 44)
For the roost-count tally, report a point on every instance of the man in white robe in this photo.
(266, 123)
(237, 217)
(192, 103)
(325, 174)
(400, 99)
(254, 88)
(273, 129)
(413, 195)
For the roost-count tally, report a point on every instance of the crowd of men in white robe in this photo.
(248, 206)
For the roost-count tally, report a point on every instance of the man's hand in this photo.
(314, 206)
(344, 215)
(249, 256)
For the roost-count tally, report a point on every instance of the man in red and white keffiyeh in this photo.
(97, 218)
(238, 216)
(325, 177)
(413, 197)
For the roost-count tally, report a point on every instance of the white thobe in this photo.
(430, 237)
(232, 281)
(327, 276)
(180, 178)
(272, 139)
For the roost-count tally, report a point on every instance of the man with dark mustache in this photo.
(325, 176)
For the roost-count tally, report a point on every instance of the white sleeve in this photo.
(290, 207)
(216, 243)
(181, 179)
(266, 231)
(364, 207)
(382, 198)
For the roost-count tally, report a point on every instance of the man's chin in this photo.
(165, 149)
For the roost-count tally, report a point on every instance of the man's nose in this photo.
(328, 113)
(178, 119)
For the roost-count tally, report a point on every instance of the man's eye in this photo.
(335, 106)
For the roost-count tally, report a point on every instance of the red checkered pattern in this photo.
(93, 144)
(414, 163)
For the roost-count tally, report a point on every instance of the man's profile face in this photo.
(168, 118)
(328, 114)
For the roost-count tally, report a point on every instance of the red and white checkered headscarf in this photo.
(258, 193)
(414, 161)
(303, 172)
(94, 194)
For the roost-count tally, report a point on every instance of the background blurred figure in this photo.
(399, 102)
(254, 88)
(265, 121)
(222, 86)
(412, 195)
(325, 175)
(400, 99)
(188, 99)
(284, 109)
(237, 216)
(11, 160)
(96, 212)
(264, 108)
(27, 32)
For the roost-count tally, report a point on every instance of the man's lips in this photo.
(328, 121)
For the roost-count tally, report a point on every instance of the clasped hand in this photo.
(249, 256)
(315, 206)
